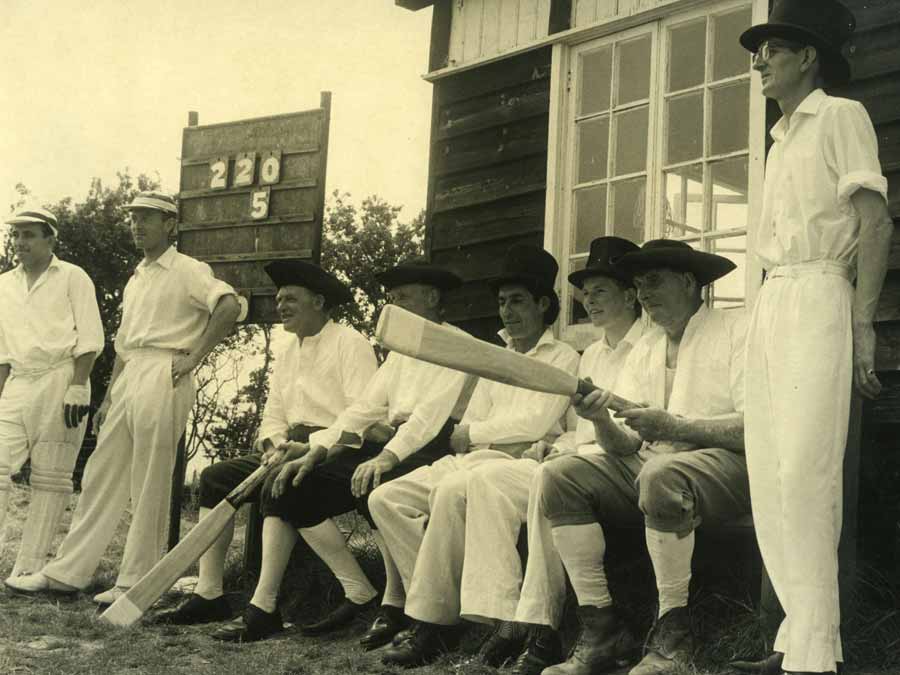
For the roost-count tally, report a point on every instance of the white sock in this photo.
(394, 594)
(278, 540)
(212, 563)
(671, 558)
(582, 548)
(5, 489)
(327, 542)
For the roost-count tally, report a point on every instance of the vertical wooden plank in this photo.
(509, 23)
(325, 105)
(585, 12)
(457, 32)
(178, 476)
(441, 19)
(606, 9)
(542, 27)
(556, 162)
(473, 15)
(527, 21)
(432, 164)
(490, 32)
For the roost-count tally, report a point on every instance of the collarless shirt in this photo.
(167, 303)
(827, 152)
(315, 379)
(501, 413)
(415, 397)
(55, 320)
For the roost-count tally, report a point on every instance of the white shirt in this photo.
(315, 379)
(709, 375)
(167, 303)
(828, 152)
(56, 320)
(414, 396)
(501, 413)
(602, 363)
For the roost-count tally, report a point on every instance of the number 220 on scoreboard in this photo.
(245, 175)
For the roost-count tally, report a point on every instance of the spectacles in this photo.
(767, 50)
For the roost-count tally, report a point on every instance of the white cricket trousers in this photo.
(32, 424)
(134, 458)
(798, 380)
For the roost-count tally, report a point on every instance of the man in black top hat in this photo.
(672, 462)
(824, 221)
(321, 369)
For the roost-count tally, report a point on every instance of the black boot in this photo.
(421, 644)
(604, 643)
(506, 642)
(771, 665)
(670, 645)
(196, 609)
(543, 650)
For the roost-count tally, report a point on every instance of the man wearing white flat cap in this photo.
(174, 311)
(50, 334)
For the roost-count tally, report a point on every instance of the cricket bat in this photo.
(408, 333)
(130, 607)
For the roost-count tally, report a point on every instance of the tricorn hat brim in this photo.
(418, 273)
(311, 277)
(706, 267)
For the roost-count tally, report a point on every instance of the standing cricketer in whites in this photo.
(174, 311)
(50, 334)
(669, 466)
(323, 368)
(503, 496)
(824, 221)
(442, 568)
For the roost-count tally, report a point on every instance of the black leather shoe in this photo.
(254, 625)
(196, 609)
(506, 642)
(388, 622)
(421, 644)
(339, 617)
(544, 650)
(771, 665)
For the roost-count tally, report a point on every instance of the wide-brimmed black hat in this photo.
(824, 24)
(310, 276)
(677, 255)
(604, 250)
(418, 271)
(532, 267)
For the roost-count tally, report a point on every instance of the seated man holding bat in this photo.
(331, 475)
(673, 460)
(500, 423)
(322, 368)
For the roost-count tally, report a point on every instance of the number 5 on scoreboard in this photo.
(259, 203)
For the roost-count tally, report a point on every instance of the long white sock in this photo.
(327, 542)
(212, 563)
(5, 490)
(394, 594)
(582, 548)
(671, 558)
(278, 540)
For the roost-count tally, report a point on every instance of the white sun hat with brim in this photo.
(35, 215)
(158, 201)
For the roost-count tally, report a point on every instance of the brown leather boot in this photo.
(605, 642)
(670, 644)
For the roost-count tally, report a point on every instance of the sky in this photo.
(91, 88)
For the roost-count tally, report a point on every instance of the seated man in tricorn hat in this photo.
(673, 461)
(441, 572)
(320, 370)
(324, 478)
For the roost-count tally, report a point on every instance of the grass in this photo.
(65, 637)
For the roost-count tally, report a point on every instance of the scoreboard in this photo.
(253, 191)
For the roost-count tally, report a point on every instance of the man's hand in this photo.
(864, 360)
(293, 472)
(293, 449)
(183, 363)
(459, 439)
(76, 404)
(379, 433)
(593, 406)
(538, 451)
(651, 424)
(370, 472)
(100, 416)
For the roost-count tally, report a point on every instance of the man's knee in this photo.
(665, 496)
(559, 493)
(451, 492)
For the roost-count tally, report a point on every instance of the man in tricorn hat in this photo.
(824, 221)
(320, 369)
(174, 312)
(50, 334)
(672, 462)
(443, 570)
(408, 399)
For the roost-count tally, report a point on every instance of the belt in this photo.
(813, 267)
(148, 353)
(37, 372)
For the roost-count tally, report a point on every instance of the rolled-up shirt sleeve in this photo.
(204, 289)
(86, 313)
(855, 149)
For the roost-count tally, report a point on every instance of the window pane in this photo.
(628, 209)
(590, 217)
(634, 70)
(730, 290)
(683, 207)
(596, 70)
(729, 57)
(593, 149)
(729, 193)
(730, 112)
(576, 310)
(684, 138)
(631, 141)
(687, 55)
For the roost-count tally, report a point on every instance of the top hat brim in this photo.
(401, 275)
(529, 282)
(836, 67)
(311, 277)
(706, 267)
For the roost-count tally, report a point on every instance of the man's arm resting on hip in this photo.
(84, 363)
(4, 374)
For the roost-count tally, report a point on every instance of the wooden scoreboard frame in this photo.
(253, 191)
